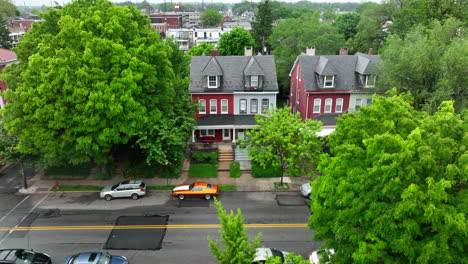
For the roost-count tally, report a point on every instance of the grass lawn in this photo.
(160, 187)
(203, 170)
(80, 188)
(227, 187)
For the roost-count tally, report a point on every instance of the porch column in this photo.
(193, 135)
(233, 135)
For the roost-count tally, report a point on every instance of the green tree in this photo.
(283, 140)
(5, 41)
(234, 42)
(292, 36)
(329, 15)
(234, 246)
(203, 48)
(392, 189)
(210, 18)
(7, 10)
(261, 27)
(347, 24)
(291, 258)
(244, 6)
(90, 77)
(430, 62)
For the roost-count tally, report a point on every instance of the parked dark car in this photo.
(23, 256)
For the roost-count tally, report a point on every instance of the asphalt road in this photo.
(67, 223)
(11, 179)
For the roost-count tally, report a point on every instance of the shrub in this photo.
(170, 172)
(69, 172)
(211, 157)
(265, 172)
(234, 169)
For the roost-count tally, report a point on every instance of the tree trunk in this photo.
(25, 181)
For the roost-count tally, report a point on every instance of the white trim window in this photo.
(207, 133)
(370, 81)
(317, 105)
(253, 106)
(243, 106)
(358, 104)
(339, 105)
(202, 109)
(265, 105)
(224, 106)
(213, 106)
(328, 105)
(212, 81)
(254, 81)
(329, 81)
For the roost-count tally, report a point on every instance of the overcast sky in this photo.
(48, 2)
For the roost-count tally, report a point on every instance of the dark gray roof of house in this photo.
(225, 120)
(327, 118)
(212, 68)
(253, 68)
(232, 68)
(345, 68)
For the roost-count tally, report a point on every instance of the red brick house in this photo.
(325, 86)
(7, 57)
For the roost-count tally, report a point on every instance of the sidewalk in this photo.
(244, 183)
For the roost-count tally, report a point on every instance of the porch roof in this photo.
(227, 120)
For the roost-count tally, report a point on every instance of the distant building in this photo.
(7, 57)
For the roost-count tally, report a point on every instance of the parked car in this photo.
(262, 254)
(319, 254)
(306, 190)
(197, 189)
(131, 188)
(23, 256)
(95, 258)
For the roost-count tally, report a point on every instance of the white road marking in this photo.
(9, 212)
(30, 211)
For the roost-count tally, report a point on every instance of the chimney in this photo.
(148, 10)
(214, 52)
(370, 52)
(344, 51)
(248, 51)
(310, 51)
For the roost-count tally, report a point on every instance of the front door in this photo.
(226, 134)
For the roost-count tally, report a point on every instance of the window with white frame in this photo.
(207, 133)
(254, 81)
(224, 106)
(213, 106)
(370, 81)
(243, 106)
(328, 105)
(317, 105)
(329, 81)
(253, 106)
(202, 109)
(339, 105)
(212, 81)
(358, 104)
(265, 105)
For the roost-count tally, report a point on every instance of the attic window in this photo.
(212, 81)
(254, 81)
(370, 81)
(329, 81)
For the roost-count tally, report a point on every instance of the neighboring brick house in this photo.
(325, 86)
(7, 57)
(230, 90)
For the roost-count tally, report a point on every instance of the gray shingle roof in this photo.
(327, 118)
(212, 68)
(225, 120)
(233, 72)
(253, 68)
(345, 68)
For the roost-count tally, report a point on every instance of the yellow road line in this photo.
(106, 227)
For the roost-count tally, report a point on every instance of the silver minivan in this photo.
(130, 188)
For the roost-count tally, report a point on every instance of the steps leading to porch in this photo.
(241, 154)
(225, 153)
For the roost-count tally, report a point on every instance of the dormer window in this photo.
(212, 81)
(370, 81)
(254, 81)
(329, 81)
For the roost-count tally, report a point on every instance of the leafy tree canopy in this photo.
(291, 37)
(200, 49)
(90, 77)
(5, 41)
(282, 139)
(210, 18)
(7, 10)
(430, 62)
(234, 42)
(347, 24)
(392, 189)
(244, 6)
(261, 27)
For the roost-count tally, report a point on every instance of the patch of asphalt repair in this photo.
(291, 200)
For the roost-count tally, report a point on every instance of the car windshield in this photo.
(104, 259)
(24, 257)
(142, 185)
(208, 186)
(190, 186)
(277, 253)
(114, 186)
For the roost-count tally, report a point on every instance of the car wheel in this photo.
(108, 197)
(207, 196)
(181, 196)
(135, 196)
